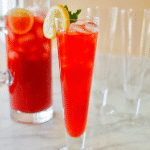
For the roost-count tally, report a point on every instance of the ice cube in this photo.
(26, 38)
(75, 29)
(13, 55)
(40, 18)
(38, 13)
(39, 32)
(11, 36)
(91, 27)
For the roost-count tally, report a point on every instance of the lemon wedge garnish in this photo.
(49, 27)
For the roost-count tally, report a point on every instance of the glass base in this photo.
(131, 120)
(65, 148)
(105, 110)
(32, 118)
(131, 99)
(74, 143)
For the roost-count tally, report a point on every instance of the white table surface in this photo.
(104, 132)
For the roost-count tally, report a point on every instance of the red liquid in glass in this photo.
(76, 59)
(29, 62)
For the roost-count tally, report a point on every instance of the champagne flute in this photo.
(76, 52)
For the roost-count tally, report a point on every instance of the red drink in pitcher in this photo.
(29, 62)
(76, 50)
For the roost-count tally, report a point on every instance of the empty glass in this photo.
(135, 37)
(103, 58)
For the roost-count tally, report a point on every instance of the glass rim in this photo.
(135, 10)
(81, 19)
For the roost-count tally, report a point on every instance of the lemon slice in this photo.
(20, 20)
(49, 27)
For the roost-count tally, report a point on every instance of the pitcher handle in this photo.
(4, 30)
(5, 77)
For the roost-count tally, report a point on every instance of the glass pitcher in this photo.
(28, 61)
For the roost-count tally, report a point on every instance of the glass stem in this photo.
(75, 143)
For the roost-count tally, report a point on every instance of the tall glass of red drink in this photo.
(29, 63)
(76, 52)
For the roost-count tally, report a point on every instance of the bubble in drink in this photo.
(20, 49)
(64, 59)
(46, 46)
(90, 64)
(11, 36)
(45, 54)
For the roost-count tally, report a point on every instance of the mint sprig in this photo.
(73, 16)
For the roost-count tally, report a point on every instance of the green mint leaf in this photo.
(69, 13)
(73, 16)
(78, 11)
(66, 7)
